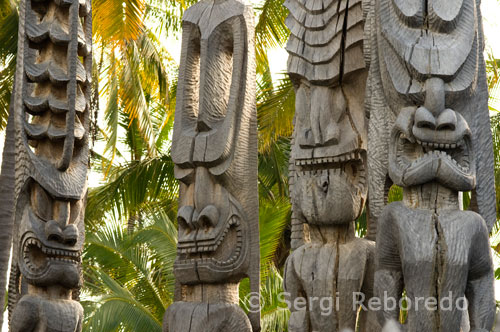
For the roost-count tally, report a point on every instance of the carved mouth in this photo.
(411, 152)
(351, 165)
(38, 257)
(210, 249)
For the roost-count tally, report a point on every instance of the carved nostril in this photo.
(447, 120)
(54, 232)
(209, 216)
(424, 119)
(184, 217)
(70, 234)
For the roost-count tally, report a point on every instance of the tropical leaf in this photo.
(9, 20)
(131, 186)
(275, 113)
(275, 313)
(270, 31)
(118, 310)
(118, 21)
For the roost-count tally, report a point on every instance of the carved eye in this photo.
(41, 202)
(76, 207)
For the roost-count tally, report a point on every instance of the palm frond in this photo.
(118, 21)
(130, 186)
(275, 112)
(275, 313)
(273, 170)
(118, 310)
(270, 31)
(9, 20)
(274, 216)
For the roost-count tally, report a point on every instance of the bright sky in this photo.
(491, 13)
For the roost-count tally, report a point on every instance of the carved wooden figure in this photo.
(215, 154)
(51, 120)
(327, 167)
(408, 42)
(427, 98)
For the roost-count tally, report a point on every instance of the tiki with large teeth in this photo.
(327, 174)
(426, 244)
(214, 149)
(429, 132)
(51, 118)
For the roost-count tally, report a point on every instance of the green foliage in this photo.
(129, 279)
(8, 46)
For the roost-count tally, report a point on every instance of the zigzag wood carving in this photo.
(214, 149)
(327, 166)
(430, 132)
(51, 106)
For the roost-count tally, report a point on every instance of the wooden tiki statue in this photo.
(327, 167)
(215, 154)
(52, 123)
(430, 132)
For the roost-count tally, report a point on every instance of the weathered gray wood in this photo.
(405, 47)
(327, 167)
(429, 131)
(51, 110)
(214, 149)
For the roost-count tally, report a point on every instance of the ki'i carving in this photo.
(51, 124)
(429, 118)
(214, 149)
(408, 43)
(327, 167)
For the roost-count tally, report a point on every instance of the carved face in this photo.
(428, 147)
(212, 246)
(51, 238)
(214, 144)
(329, 153)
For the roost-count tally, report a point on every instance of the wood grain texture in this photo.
(408, 44)
(214, 149)
(327, 171)
(51, 111)
(427, 246)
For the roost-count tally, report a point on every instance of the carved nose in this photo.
(65, 235)
(425, 119)
(446, 120)
(209, 217)
(185, 217)
(59, 228)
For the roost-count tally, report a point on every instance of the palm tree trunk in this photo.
(7, 183)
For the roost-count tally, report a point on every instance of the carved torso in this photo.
(440, 251)
(332, 274)
(46, 315)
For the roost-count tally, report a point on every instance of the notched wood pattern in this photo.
(51, 120)
(328, 184)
